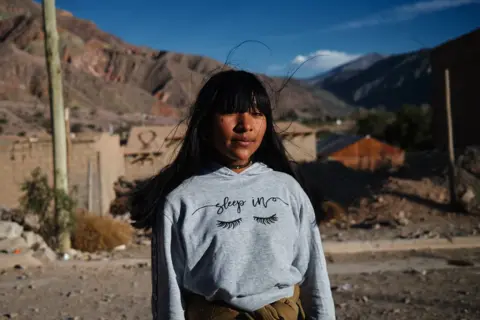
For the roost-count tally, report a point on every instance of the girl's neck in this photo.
(235, 166)
(239, 167)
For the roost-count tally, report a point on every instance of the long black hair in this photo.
(227, 91)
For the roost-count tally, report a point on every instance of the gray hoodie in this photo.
(245, 238)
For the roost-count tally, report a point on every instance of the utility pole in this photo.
(451, 151)
(57, 114)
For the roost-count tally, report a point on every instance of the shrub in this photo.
(408, 128)
(38, 198)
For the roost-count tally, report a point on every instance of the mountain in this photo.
(377, 81)
(110, 82)
(347, 70)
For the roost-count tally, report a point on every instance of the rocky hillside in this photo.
(386, 81)
(347, 70)
(108, 81)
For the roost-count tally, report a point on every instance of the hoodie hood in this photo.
(255, 169)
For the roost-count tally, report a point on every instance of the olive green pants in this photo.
(198, 308)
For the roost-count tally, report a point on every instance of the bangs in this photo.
(239, 92)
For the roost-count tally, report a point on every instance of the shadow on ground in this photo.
(335, 182)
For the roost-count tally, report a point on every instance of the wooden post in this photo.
(451, 150)
(100, 185)
(68, 137)
(58, 119)
(90, 186)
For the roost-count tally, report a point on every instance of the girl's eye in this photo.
(256, 114)
(268, 220)
(229, 224)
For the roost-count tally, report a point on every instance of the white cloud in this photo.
(404, 13)
(324, 59)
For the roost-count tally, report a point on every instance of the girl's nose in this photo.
(245, 122)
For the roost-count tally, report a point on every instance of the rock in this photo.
(12, 244)
(74, 253)
(13, 215)
(468, 196)
(470, 160)
(45, 254)
(346, 287)
(145, 242)
(9, 230)
(4, 213)
(402, 221)
(121, 247)
(32, 238)
(31, 222)
(468, 180)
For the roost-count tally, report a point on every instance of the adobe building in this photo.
(461, 56)
(150, 148)
(95, 163)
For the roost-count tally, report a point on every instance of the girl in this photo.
(234, 234)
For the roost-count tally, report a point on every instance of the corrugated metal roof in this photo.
(336, 142)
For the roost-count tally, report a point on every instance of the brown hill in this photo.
(107, 81)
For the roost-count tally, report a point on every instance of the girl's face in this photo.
(238, 136)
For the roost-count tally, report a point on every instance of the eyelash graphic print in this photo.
(227, 203)
(235, 223)
(267, 220)
(229, 224)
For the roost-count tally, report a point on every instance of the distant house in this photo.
(150, 148)
(461, 57)
(359, 152)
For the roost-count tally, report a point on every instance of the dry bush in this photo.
(100, 233)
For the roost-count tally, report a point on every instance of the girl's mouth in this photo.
(243, 142)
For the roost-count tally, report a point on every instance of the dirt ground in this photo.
(120, 288)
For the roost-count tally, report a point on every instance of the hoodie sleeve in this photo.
(316, 295)
(167, 268)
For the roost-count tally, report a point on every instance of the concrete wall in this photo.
(139, 166)
(99, 157)
(112, 166)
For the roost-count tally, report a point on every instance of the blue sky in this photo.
(334, 31)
